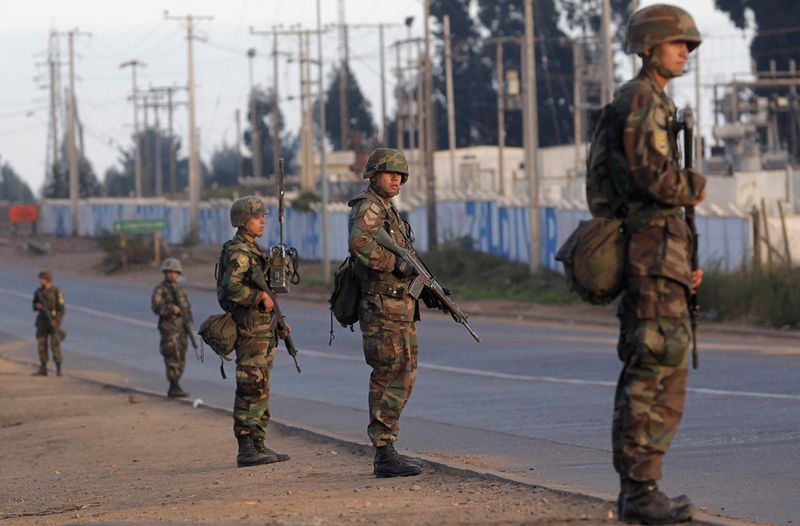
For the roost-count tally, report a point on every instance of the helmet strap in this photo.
(653, 61)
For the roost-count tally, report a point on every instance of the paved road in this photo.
(532, 399)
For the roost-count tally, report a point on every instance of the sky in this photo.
(122, 31)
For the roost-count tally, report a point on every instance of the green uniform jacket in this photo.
(54, 303)
(165, 296)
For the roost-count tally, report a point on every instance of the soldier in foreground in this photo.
(48, 302)
(252, 311)
(387, 312)
(170, 303)
(655, 329)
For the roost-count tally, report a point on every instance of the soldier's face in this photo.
(44, 283)
(389, 183)
(171, 276)
(673, 56)
(255, 225)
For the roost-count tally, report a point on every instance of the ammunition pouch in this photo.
(395, 291)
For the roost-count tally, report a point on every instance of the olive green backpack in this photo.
(594, 254)
(345, 296)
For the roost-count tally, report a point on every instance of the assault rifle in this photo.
(52, 328)
(187, 323)
(687, 125)
(424, 279)
(278, 321)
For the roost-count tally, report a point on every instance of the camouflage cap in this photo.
(46, 274)
(171, 265)
(386, 160)
(246, 208)
(659, 23)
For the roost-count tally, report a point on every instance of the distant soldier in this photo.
(655, 328)
(170, 303)
(387, 312)
(48, 301)
(256, 343)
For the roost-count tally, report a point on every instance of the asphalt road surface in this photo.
(533, 399)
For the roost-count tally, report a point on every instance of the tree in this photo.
(263, 107)
(56, 184)
(362, 126)
(12, 187)
(224, 171)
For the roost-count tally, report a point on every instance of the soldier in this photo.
(48, 301)
(387, 313)
(655, 330)
(256, 342)
(170, 303)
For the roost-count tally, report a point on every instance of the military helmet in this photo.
(171, 265)
(46, 274)
(246, 208)
(660, 23)
(386, 160)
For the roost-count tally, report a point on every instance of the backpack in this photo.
(594, 254)
(219, 332)
(345, 296)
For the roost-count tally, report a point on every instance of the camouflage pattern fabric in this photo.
(256, 343)
(387, 315)
(54, 303)
(174, 341)
(660, 23)
(655, 331)
(386, 160)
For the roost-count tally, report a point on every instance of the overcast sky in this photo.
(121, 31)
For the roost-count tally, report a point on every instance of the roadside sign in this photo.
(23, 214)
(139, 226)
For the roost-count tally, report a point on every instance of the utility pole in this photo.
(531, 131)
(698, 134)
(608, 57)
(577, 100)
(72, 154)
(384, 127)
(420, 135)
(276, 113)
(326, 263)
(430, 176)
(499, 42)
(147, 173)
(170, 107)
(159, 167)
(344, 107)
(255, 129)
(399, 119)
(238, 117)
(53, 63)
(635, 57)
(137, 166)
(451, 117)
(194, 161)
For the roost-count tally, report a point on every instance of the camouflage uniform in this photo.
(386, 314)
(655, 330)
(171, 326)
(256, 343)
(53, 301)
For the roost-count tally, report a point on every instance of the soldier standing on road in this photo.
(170, 303)
(655, 329)
(387, 313)
(48, 301)
(256, 342)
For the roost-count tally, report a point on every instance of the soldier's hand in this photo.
(266, 300)
(39, 306)
(403, 267)
(176, 309)
(432, 301)
(697, 279)
(286, 331)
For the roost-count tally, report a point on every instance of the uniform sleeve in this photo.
(234, 288)
(648, 149)
(35, 301)
(60, 306)
(368, 218)
(160, 302)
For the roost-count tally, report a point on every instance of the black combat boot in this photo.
(175, 390)
(643, 502)
(58, 369)
(249, 455)
(258, 444)
(388, 463)
(41, 371)
(409, 460)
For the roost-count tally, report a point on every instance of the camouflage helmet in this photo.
(246, 208)
(386, 160)
(46, 275)
(171, 265)
(657, 24)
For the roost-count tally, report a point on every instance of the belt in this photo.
(377, 287)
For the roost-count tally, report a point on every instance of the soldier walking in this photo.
(48, 302)
(655, 329)
(170, 303)
(387, 313)
(256, 343)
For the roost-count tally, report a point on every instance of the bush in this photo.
(139, 249)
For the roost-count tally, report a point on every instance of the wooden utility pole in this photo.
(400, 96)
(698, 136)
(384, 127)
(159, 166)
(238, 145)
(531, 131)
(344, 106)
(430, 176)
(276, 112)
(255, 129)
(72, 154)
(194, 160)
(577, 101)
(451, 116)
(137, 163)
(326, 263)
(170, 107)
(147, 179)
(499, 42)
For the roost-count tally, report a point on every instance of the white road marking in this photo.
(442, 368)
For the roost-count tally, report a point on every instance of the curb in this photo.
(449, 467)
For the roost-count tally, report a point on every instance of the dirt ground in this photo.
(74, 452)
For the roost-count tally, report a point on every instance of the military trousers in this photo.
(651, 389)
(255, 354)
(42, 338)
(173, 347)
(391, 349)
